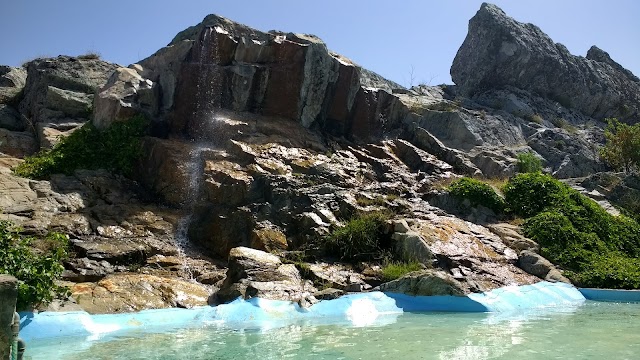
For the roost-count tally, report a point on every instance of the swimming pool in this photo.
(364, 326)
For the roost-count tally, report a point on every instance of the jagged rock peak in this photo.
(597, 54)
(500, 51)
(213, 20)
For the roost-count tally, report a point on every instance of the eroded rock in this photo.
(499, 51)
(255, 273)
(120, 293)
(426, 283)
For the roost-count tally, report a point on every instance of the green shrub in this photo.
(609, 270)
(115, 148)
(560, 241)
(360, 239)
(395, 270)
(528, 163)
(622, 148)
(531, 193)
(478, 193)
(595, 248)
(36, 269)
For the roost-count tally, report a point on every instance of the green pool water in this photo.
(594, 330)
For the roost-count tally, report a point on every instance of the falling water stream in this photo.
(206, 131)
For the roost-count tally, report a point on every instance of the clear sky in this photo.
(386, 36)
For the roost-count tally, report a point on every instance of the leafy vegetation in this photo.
(477, 192)
(622, 148)
(360, 239)
(363, 200)
(528, 163)
(36, 267)
(531, 193)
(595, 248)
(115, 148)
(395, 270)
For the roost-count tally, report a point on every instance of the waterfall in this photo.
(207, 132)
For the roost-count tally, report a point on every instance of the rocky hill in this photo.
(262, 144)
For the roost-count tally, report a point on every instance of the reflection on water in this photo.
(593, 330)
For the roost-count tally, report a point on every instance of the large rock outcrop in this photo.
(16, 137)
(266, 142)
(499, 51)
(58, 94)
(222, 64)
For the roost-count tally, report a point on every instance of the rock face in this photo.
(12, 81)
(293, 76)
(426, 283)
(255, 273)
(58, 94)
(500, 51)
(135, 292)
(263, 143)
(125, 255)
(536, 265)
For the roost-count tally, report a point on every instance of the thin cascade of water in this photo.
(206, 128)
(194, 171)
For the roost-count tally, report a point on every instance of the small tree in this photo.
(622, 148)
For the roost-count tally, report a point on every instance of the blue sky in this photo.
(389, 37)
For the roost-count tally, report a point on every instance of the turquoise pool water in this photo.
(592, 330)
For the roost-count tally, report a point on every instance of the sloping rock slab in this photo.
(426, 283)
(134, 292)
(255, 273)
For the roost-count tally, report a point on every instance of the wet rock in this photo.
(426, 283)
(536, 265)
(120, 293)
(254, 273)
(218, 229)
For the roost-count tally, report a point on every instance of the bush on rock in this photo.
(36, 267)
(478, 193)
(115, 148)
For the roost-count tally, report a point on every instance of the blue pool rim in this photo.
(356, 309)
(611, 295)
